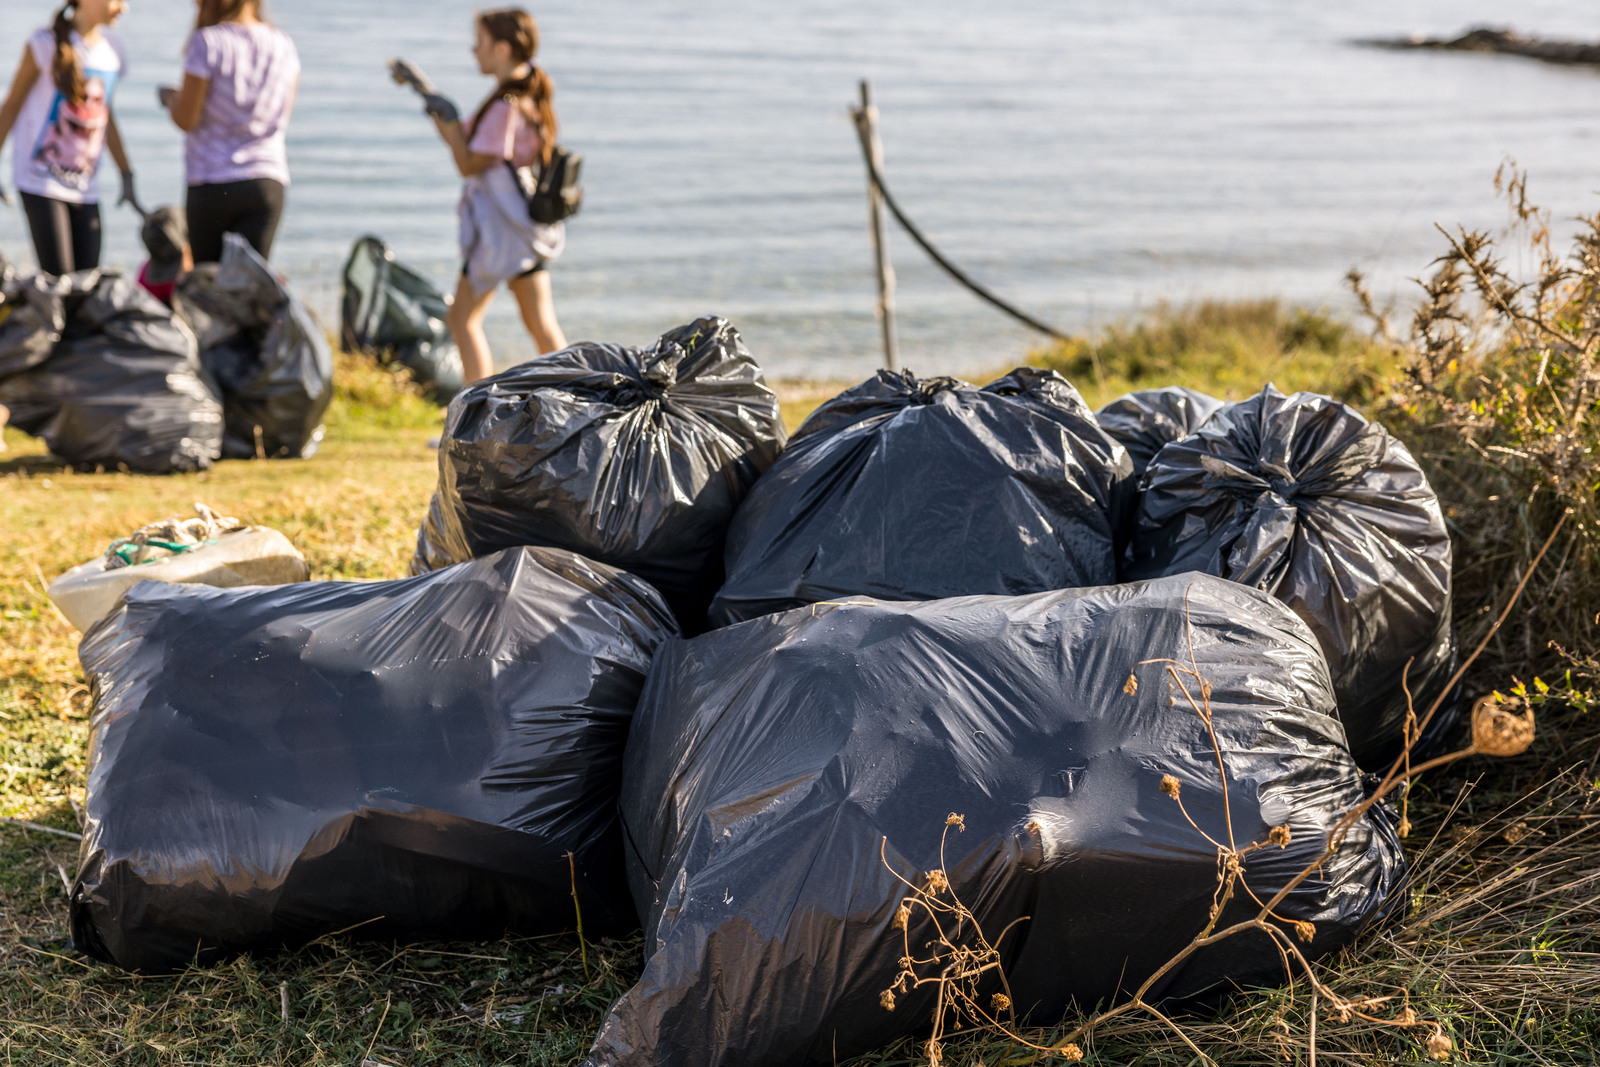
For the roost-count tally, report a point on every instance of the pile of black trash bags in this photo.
(110, 377)
(659, 664)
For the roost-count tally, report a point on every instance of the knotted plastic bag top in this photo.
(634, 457)
(1304, 498)
(909, 488)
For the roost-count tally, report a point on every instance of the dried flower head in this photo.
(937, 882)
(1131, 686)
(1501, 726)
(1305, 931)
(1001, 1003)
(1407, 1017)
(1517, 834)
(1070, 1052)
(1439, 1045)
(1171, 786)
(1280, 836)
(886, 998)
(902, 916)
(958, 821)
(1404, 829)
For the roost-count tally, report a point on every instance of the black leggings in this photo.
(66, 237)
(249, 208)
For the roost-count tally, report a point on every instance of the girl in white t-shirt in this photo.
(499, 243)
(60, 109)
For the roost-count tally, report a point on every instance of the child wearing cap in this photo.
(166, 238)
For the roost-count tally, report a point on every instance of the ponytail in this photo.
(65, 70)
(517, 28)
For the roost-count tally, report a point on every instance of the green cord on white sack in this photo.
(173, 536)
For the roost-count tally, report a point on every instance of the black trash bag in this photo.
(913, 489)
(268, 356)
(635, 457)
(782, 773)
(1302, 497)
(120, 385)
(419, 756)
(1146, 420)
(391, 311)
(32, 316)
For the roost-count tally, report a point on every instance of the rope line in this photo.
(954, 271)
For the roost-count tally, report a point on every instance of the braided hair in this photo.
(65, 70)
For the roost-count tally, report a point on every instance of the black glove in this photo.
(128, 195)
(440, 108)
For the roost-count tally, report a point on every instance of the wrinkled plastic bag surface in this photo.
(772, 763)
(419, 756)
(1304, 498)
(106, 376)
(1147, 420)
(266, 353)
(32, 317)
(913, 489)
(391, 311)
(635, 457)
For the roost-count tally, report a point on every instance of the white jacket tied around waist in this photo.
(498, 240)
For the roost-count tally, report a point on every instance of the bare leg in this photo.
(466, 327)
(539, 310)
(5, 415)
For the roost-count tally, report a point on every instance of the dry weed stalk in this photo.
(960, 956)
(1502, 384)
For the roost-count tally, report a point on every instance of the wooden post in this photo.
(866, 119)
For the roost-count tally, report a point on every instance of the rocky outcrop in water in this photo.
(1484, 39)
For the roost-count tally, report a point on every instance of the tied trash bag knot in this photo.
(1305, 498)
(630, 392)
(928, 390)
(635, 457)
(914, 489)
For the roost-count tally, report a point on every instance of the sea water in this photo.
(1084, 158)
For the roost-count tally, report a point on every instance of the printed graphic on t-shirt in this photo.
(69, 145)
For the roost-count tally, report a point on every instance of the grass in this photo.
(1227, 349)
(1501, 943)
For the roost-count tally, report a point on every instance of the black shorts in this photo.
(66, 237)
(530, 272)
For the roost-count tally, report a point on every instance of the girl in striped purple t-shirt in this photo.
(240, 74)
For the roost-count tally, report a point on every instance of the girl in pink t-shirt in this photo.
(515, 125)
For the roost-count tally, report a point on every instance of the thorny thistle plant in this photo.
(1502, 389)
(958, 957)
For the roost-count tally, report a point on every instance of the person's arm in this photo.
(21, 85)
(186, 105)
(119, 155)
(467, 161)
